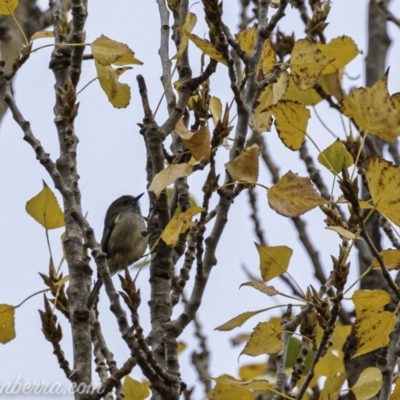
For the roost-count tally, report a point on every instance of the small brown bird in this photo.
(124, 238)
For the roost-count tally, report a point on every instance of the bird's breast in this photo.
(127, 241)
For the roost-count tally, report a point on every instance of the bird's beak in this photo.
(138, 197)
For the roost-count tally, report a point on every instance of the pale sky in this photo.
(111, 161)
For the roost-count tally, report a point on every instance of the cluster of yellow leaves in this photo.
(179, 224)
(204, 45)
(107, 52)
(265, 339)
(311, 65)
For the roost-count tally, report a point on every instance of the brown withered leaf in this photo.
(167, 176)
(293, 196)
(198, 142)
(244, 168)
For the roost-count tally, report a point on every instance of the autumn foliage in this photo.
(275, 81)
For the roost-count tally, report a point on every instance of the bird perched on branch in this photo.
(124, 237)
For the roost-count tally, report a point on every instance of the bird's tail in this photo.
(95, 292)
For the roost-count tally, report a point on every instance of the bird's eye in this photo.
(125, 202)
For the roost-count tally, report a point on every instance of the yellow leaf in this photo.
(261, 119)
(396, 101)
(44, 209)
(331, 85)
(107, 51)
(332, 387)
(42, 35)
(363, 204)
(368, 384)
(255, 384)
(181, 347)
(215, 109)
(293, 196)
(190, 22)
(247, 39)
(373, 110)
(244, 168)
(206, 47)
(119, 94)
(262, 287)
(7, 7)
(167, 176)
(341, 51)
(335, 156)
(179, 224)
(267, 60)
(251, 371)
(330, 365)
(307, 63)
(223, 391)
(384, 185)
(135, 390)
(308, 97)
(7, 323)
(238, 321)
(373, 324)
(172, 231)
(198, 142)
(391, 258)
(343, 232)
(291, 120)
(340, 335)
(274, 260)
(265, 339)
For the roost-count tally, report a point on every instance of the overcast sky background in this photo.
(111, 161)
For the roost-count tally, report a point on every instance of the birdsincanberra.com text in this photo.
(18, 386)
